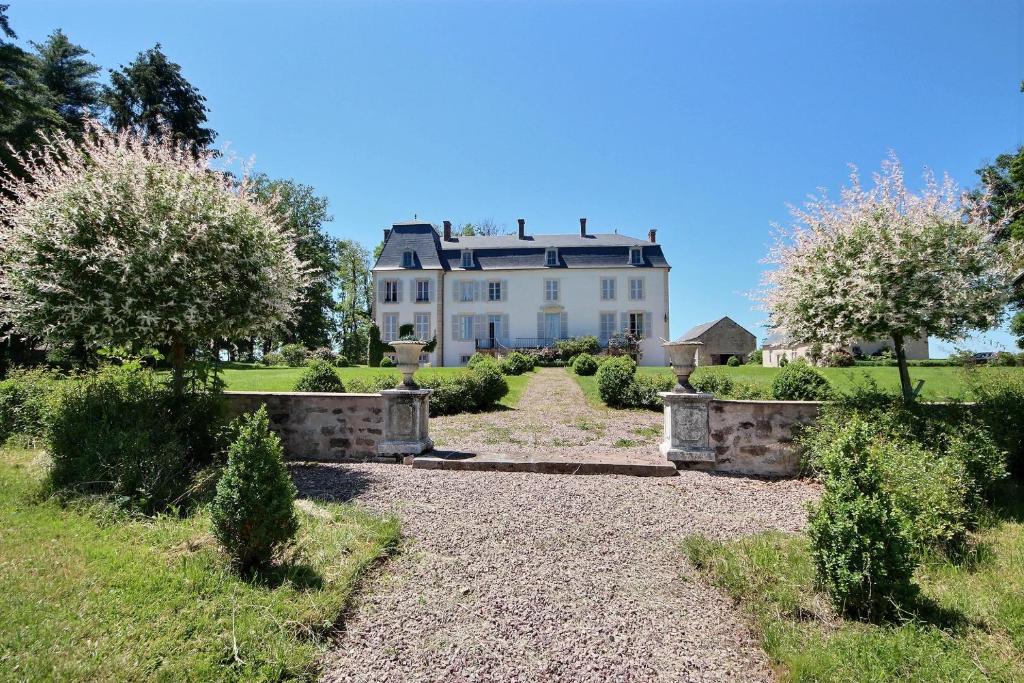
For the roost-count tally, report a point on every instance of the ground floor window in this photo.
(422, 323)
(606, 329)
(466, 327)
(636, 324)
(465, 360)
(390, 331)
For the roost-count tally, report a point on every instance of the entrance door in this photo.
(552, 325)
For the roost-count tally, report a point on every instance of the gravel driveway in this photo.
(526, 577)
(553, 418)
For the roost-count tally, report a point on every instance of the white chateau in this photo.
(499, 293)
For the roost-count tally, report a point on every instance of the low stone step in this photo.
(501, 462)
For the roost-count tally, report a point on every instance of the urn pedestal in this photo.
(687, 432)
(406, 422)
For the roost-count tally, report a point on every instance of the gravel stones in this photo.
(527, 577)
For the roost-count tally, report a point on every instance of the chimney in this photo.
(583, 227)
(652, 235)
(522, 228)
(447, 231)
(387, 234)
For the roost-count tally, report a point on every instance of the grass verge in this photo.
(969, 624)
(91, 594)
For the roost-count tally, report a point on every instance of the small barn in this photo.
(722, 339)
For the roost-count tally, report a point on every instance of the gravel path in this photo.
(525, 577)
(553, 418)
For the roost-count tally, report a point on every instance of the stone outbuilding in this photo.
(777, 347)
(722, 339)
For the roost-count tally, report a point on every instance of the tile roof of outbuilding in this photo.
(693, 333)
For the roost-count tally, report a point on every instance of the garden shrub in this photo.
(614, 381)
(253, 511)
(386, 362)
(585, 365)
(800, 382)
(838, 358)
(567, 348)
(516, 363)
(743, 391)
(341, 362)
(372, 384)
(783, 362)
(476, 358)
(324, 353)
(319, 376)
(733, 362)
(863, 556)
(999, 404)
(25, 398)
(491, 385)
(643, 391)
(711, 382)
(1003, 359)
(123, 431)
(294, 355)
(273, 358)
(756, 358)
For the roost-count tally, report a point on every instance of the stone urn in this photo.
(683, 357)
(408, 353)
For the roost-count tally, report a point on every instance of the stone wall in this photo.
(756, 437)
(326, 427)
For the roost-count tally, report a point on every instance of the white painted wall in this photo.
(407, 307)
(579, 298)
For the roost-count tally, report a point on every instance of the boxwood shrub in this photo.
(320, 376)
(798, 381)
(584, 365)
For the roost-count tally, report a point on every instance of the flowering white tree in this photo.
(124, 240)
(887, 263)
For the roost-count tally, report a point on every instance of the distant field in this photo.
(244, 377)
(940, 384)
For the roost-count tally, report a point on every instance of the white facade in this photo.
(466, 303)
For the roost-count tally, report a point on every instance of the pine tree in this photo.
(70, 79)
(150, 94)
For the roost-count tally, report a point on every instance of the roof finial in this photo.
(415, 217)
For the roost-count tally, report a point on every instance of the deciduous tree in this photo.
(128, 240)
(885, 262)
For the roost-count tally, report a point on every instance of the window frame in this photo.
(632, 291)
(387, 335)
(466, 259)
(426, 285)
(391, 291)
(466, 289)
(631, 328)
(613, 329)
(551, 257)
(416, 324)
(493, 285)
(611, 293)
(462, 327)
(408, 258)
(548, 288)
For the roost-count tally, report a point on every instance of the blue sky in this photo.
(700, 119)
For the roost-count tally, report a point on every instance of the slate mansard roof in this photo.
(504, 252)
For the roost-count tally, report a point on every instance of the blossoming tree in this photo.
(124, 240)
(887, 263)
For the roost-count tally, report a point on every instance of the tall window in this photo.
(466, 291)
(466, 327)
(608, 289)
(408, 259)
(494, 291)
(391, 291)
(551, 257)
(607, 328)
(636, 256)
(636, 289)
(551, 290)
(494, 327)
(636, 324)
(422, 324)
(423, 290)
(467, 258)
(390, 327)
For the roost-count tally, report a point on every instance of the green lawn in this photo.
(969, 626)
(89, 594)
(940, 383)
(243, 377)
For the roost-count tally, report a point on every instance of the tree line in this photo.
(54, 86)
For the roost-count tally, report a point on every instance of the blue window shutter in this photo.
(540, 325)
(564, 325)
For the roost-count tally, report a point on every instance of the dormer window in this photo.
(636, 256)
(551, 257)
(467, 258)
(408, 258)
